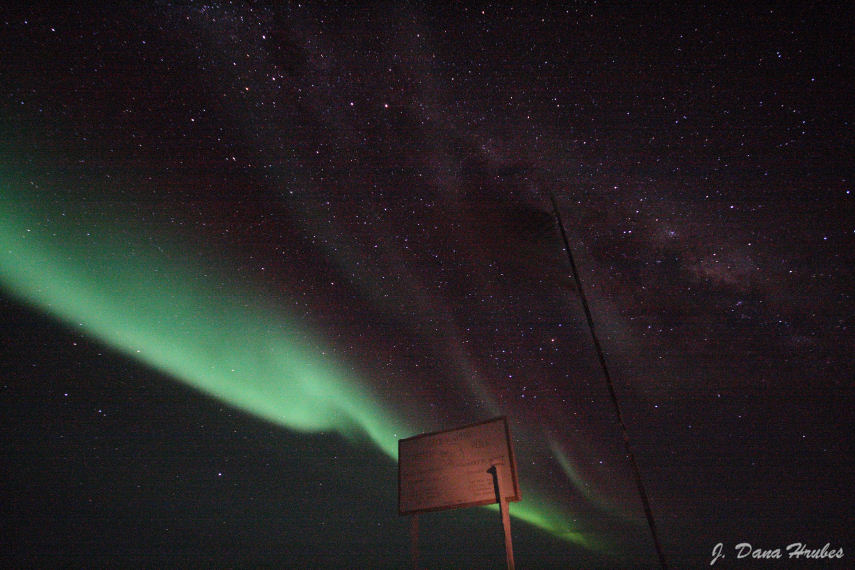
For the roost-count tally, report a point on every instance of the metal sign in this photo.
(452, 469)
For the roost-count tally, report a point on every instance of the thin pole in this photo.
(506, 517)
(641, 491)
(414, 539)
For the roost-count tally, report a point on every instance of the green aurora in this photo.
(85, 263)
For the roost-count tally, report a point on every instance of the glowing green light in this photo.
(88, 266)
(186, 321)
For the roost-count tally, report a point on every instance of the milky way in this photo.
(337, 221)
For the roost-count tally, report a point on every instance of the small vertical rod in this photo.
(414, 539)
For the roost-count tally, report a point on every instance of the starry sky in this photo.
(246, 247)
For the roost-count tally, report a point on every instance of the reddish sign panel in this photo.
(449, 469)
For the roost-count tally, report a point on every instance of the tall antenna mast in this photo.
(641, 491)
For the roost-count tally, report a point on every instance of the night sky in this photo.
(246, 247)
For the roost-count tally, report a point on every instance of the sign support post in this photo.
(506, 515)
(414, 539)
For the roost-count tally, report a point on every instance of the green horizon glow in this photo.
(93, 271)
